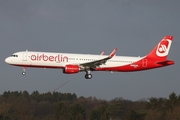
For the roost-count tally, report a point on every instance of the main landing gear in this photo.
(24, 70)
(88, 75)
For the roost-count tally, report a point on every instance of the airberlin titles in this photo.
(51, 58)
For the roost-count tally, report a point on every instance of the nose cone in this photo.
(7, 60)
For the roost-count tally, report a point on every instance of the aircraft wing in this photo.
(94, 64)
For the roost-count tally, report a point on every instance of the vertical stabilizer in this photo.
(160, 52)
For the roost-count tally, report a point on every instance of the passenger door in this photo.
(144, 62)
(24, 57)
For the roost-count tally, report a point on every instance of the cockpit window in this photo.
(14, 55)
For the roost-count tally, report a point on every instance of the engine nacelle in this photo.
(71, 69)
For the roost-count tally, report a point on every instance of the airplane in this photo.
(71, 63)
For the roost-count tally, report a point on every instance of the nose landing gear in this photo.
(24, 70)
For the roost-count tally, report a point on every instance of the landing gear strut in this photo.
(24, 70)
(88, 75)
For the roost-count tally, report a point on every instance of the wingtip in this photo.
(103, 52)
(113, 52)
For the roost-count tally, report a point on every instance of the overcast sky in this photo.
(90, 27)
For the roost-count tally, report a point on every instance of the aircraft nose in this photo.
(7, 60)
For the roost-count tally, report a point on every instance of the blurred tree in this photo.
(77, 112)
(62, 111)
(95, 115)
(133, 115)
(115, 110)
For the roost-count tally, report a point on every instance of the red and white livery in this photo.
(74, 63)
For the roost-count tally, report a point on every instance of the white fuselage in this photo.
(60, 60)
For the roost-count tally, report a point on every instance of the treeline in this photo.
(66, 106)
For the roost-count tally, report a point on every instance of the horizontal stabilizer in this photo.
(166, 62)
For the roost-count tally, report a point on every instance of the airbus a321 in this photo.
(74, 63)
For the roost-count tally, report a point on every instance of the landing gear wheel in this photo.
(23, 73)
(88, 76)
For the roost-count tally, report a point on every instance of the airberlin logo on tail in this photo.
(163, 48)
(51, 58)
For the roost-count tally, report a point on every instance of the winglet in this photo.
(102, 53)
(113, 53)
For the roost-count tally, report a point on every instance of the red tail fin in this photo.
(160, 52)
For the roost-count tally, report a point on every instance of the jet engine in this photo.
(71, 69)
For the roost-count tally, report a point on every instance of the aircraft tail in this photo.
(160, 52)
